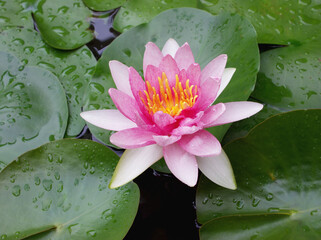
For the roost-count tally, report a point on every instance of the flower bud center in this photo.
(170, 100)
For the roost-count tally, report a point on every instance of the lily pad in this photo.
(15, 13)
(103, 5)
(63, 187)
(290, 77)
(277, 22)
(33, 108)
(63, 24)
(73, 68)
(278, 172)
(208, 37)
(134, 12)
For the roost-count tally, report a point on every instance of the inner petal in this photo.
(166, 98)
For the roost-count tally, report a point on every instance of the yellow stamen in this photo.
(170, 101)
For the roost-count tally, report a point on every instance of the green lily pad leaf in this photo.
(277, 169)
(33, 108)
(14, 13)
(63, 24)
(73, 68)
(208, 36)
(134, 12)
(277, 22)
(63, 187)
(290, 77)
(103, 5)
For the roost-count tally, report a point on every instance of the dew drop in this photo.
(16, 190)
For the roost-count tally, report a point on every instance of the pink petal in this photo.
(211, 114)
(183, 130)
(184, 57)
(133, 162)
(169, 67)
(124, 103)
(207, 93)
(236, 111)
(152, 73)
(193, 74)
(215, 68)
(226, 77)
(165, 140)
(138, 86)
(163, 119)
(152, 55)
(170, 47)
(218, 169)
(181, 163)
(120, 75)
(188, 121)
(110, 119)
(132, 138)
(201, 143)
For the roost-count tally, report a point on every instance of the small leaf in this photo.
(33, 108)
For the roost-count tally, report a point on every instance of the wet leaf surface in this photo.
(277, 22)
(277, 169)
(63, 24)
(73, 68)
(63, 187)
(103, 5)
(33, 108)
(134, 12)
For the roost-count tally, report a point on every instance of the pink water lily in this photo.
(167, 114)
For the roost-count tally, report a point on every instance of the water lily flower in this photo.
(167, 114)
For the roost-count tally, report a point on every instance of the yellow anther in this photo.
(169, 99)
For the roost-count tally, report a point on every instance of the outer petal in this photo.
(110, 119)
(133, 162)
(226, 77)
(170, 47)
(132, 138)
(184, 57)
(169, 66)
(215, 68)
(218, 169)
(201, 143)
(211, 114)
(236, 111)
(124, 103)
(152, 55)
(120, 75)
(165, 140)
(181, 163)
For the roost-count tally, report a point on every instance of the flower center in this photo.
(169, 100)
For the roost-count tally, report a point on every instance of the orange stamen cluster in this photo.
(170, 101)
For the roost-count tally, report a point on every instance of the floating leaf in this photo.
(63, 24)
(73, 68)
(290, 77)
(63, 187)
(277, 169)
(33, 108)
(277, 22)
(14, 13)
(135, 12)
(208, 37)
(103, 5)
